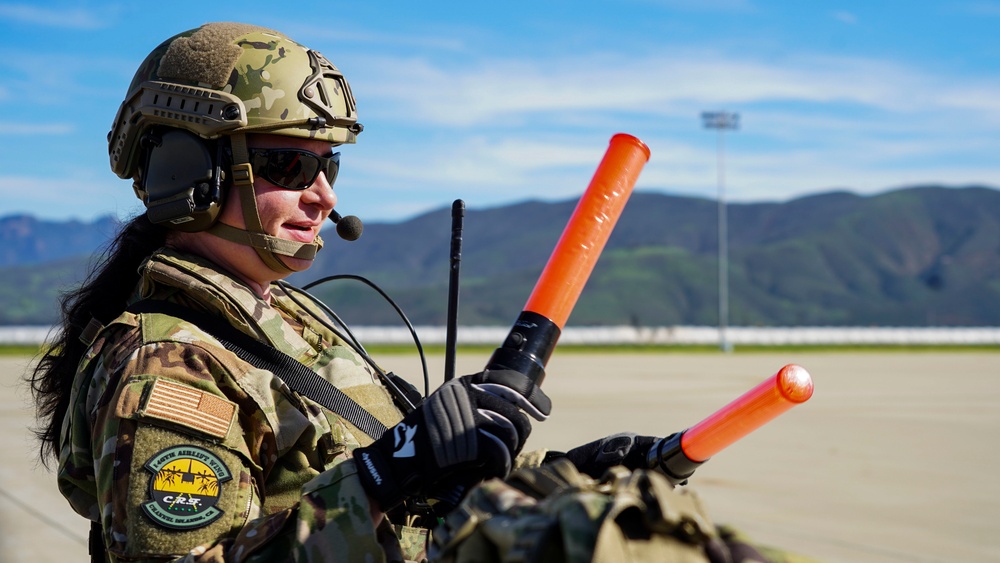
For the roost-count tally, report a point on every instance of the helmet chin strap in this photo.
(269, 248)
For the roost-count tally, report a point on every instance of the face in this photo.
(295, 215)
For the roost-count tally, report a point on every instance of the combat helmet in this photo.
(181, 133)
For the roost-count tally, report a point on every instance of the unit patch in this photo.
(185, 485)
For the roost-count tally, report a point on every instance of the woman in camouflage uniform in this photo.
(171, 443)
(167, 440)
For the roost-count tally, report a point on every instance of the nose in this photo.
(320, 193)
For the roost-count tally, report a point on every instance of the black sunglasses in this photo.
(293, 169)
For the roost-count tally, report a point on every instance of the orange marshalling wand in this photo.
(679, 455)
(533, 337)
(588, 230)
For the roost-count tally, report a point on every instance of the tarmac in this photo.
(893, 459)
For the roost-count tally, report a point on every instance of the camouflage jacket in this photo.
(181, 450)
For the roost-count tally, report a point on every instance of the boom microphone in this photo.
(348, 228)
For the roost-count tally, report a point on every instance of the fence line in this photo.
(25, 335)
(688, 335)
(676, 335)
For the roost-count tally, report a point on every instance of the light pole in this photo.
(721, 121)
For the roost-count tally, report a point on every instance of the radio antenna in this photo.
(455, 259)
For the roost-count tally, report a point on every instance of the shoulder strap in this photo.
(261, 355)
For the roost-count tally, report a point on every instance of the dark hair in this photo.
(102, 296)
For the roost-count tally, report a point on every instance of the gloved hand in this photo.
(468, 430)
(596, 457)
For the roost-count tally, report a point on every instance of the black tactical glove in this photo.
(468, 430)
(597, 457)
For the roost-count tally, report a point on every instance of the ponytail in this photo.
(102, 296)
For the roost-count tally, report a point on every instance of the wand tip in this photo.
(795, 383)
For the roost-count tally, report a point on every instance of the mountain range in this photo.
(916, 256)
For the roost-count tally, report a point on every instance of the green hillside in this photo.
(909, 257)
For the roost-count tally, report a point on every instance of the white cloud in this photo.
(845, 17)
(506, 130)
(57, 197)
(509, 91)
(71, 18)
(981, 8)
(863, 164)
(27, 129)
(778, 155)
(737, 6)
(357, 38)
(474, 163)
(981, 102)
(443, 124)
(686, 171)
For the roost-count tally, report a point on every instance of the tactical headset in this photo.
(181, 179)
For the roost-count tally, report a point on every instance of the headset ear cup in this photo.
(181, 180)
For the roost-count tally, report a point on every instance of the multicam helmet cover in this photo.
(226, 78)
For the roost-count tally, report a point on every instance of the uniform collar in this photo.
(196, 281)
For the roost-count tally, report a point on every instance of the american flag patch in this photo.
(190, 407)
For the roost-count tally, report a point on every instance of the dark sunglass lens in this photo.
(332, 167)
(292, 169)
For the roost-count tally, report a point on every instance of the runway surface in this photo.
(894, 459)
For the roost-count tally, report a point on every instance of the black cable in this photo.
(387, 378)
(360, 349)
(347, 333)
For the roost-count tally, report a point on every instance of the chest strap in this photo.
(261, 355)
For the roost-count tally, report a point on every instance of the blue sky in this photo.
(497, 102)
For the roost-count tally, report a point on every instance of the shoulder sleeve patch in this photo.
(189, 407)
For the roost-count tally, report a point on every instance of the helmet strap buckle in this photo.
(242, 175)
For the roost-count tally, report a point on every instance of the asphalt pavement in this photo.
(893, 459)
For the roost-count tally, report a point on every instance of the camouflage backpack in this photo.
(555, 513)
